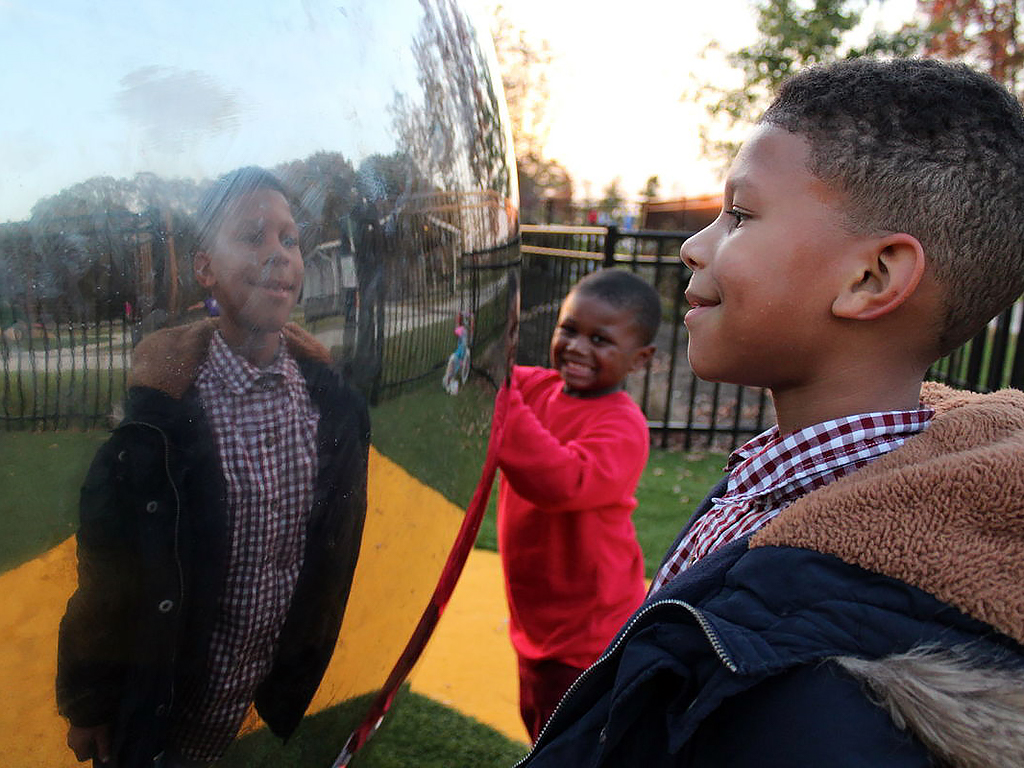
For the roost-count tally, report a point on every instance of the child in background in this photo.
(850, 595)
(221, 522)
(573, 450)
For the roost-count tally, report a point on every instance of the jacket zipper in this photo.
(177, 536)
(702, 622)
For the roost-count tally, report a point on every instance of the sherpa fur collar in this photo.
(944, 512)
(169, 359)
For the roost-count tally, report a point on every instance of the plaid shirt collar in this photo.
(239, 376)
(771, 471)
(772, 464)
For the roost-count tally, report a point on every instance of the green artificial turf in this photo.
(441, 440)
(417, 733)
(671, 487)
(40, 476)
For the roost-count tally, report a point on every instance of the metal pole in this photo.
(610, 238)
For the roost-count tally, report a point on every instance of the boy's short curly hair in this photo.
(624, 290)
(932, 149)
(217, 200)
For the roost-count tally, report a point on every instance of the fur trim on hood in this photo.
(944, 512)
(169, 359)
(968, 716)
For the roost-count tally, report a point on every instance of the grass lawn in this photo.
(438, 438)
(441, 440)
(418, 732)
(41, 473)
(671, 487)
(68, 399)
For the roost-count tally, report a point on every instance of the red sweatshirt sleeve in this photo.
(587, 471)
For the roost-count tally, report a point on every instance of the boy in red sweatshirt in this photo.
(574, 447)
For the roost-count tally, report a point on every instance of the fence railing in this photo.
(65, 352)
(67, 367)
(682, 409)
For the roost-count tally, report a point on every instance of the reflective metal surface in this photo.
(382, 122)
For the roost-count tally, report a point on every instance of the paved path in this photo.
(469, 664)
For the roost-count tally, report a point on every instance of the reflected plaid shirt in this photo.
(771, 471)
(265, 427)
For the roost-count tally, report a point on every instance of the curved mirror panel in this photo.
(257, 291)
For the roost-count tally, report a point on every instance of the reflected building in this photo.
(385, 127)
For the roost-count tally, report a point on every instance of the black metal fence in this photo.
(681, 409)
(64, 362)
(67, 336)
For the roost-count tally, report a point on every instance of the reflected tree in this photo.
(455, 133)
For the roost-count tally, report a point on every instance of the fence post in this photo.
(610, 238)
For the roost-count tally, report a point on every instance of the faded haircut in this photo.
(624, 290)
(932, 149)
(217, 201)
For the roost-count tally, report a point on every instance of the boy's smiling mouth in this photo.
(697, 301)
(699, 305)
(576, 367)
(277, 287)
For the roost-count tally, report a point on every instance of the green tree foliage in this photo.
(985, 33)
(544, 183)
(651, 188)
(792, 34)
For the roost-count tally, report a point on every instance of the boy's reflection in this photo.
(220, 524)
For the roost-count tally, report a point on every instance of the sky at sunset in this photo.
(623, 80)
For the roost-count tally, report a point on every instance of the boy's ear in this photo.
(201, 269)
(641, 356)
(887, 275)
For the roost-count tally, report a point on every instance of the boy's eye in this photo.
(595, 339)
(738, 215)
(289, 241)
(253, 238)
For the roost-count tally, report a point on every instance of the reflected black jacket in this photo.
(152, 551)
(876, 622)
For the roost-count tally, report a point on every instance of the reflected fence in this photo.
(682, 410)
(64, 361)
(392, 298)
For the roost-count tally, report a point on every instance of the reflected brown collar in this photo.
(169, 359)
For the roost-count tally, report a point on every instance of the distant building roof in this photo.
(684, 213)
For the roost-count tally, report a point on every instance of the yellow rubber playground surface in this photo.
(469, 664)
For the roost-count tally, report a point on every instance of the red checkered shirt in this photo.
(771, 471)
(265, 427)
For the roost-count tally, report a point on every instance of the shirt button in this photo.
(274, 504)
(151, 506)
(165, 606)
(269, 441)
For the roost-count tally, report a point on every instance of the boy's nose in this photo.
(576, 342)
(277, 255)
(690, 252)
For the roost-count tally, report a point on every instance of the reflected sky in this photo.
(77, 108)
